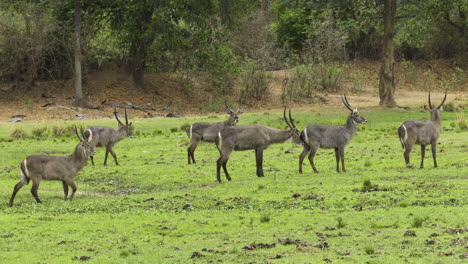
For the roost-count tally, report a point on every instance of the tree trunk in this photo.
(78, 89)
(139, 64)
(387, 78)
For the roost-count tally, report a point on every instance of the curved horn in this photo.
(429, 99)
(443, 101)
(126, 117)
(77, 134)
(286, 120)
(116, 117)
(345, 102)
(227, 107)
(291, 120)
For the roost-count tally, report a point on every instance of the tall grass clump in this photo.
(340, 223)
(369, 250)
(417, 222)
(40, 132)
(254, 83)
(462, 122)
(301, 84)
(19, 134)
(331, 77)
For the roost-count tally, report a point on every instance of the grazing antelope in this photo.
(208, 131)
(101, 136)
(256, 137)
(422, 132)
(54, 168)
(336, 137)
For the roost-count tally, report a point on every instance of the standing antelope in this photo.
(54, 168)
(101, 136)
(256, 137)
(422, 132)
(207, 131)
(336, 137)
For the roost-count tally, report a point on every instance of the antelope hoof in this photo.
(409, 166)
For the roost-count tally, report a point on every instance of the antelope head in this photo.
(84, 146)
(292, 127)
(233, 115)
(435, 112)
(127, 129)
(357, 118)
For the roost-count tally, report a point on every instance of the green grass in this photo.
(155, 208)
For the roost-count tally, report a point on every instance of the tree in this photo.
(78, 89)
(387, 77)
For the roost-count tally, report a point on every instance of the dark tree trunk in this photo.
(139, 64)
(387, 78)
(141, 44)
(78, 89)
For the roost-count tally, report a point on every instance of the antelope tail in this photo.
(403, 134)
(219, 141)
(24, 171)
(190, 132)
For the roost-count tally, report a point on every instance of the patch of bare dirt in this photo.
(113, 87)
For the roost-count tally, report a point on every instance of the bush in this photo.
(330, 77)
(254, 83)
(301, 83)
(19, 134)
(40, 131)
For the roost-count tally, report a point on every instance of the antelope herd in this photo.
(228, 138)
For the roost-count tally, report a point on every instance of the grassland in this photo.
(155, 208)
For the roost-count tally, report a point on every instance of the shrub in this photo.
(369, 250)
(59, 131)
(40, 131)
(462, 121)
(340, 222)
(301, 84)
(254, 83)
(265, 219)
(452, 107)
(330, 77)
(19, 134)
(417, 222)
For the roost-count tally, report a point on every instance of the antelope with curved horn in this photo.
(422, 132)
(257, 137)
(101, 136)
(207, 131)
(54, 168)
(335, 137)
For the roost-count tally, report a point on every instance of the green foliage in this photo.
(41, 131)
(340, 223)
(330, 77)
(19, 134)
(369, 250)
(417, 222)
(301, 84)
(254, 83)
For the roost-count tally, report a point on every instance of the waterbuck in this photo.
(257, 137)
(422, 132)
(54, 168)
(207, 131)
(101, 136)
(336, 137)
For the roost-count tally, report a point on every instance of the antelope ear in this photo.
(426, 108)
(441, 108)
